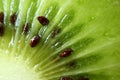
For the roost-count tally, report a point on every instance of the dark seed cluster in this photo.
(66, 52)
(43, 20)
(34, 41)
(13, 18)
(1, 29)
(25, 28)
(66, 78)
(1, 17)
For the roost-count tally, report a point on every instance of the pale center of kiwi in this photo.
(12, 70)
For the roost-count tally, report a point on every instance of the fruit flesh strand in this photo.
(91, 28)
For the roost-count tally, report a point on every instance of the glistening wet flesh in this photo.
(59, 39)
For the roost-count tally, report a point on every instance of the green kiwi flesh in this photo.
(80, 40)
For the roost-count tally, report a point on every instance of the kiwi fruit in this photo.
(59, 39)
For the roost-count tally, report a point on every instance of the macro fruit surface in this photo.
(59, 39)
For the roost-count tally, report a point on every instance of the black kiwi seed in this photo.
(13, 18)
(1, 17)
(71, 64)
(43, 20)
(1, 29)
(66, 52)
(55, 32)
(34, 41)
(84, 78)
(25, 28)
(65, 78)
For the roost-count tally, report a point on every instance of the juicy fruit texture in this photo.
(60, 40)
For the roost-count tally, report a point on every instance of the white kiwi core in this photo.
(15, 70)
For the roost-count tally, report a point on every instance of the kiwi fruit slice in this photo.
(59, 39)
